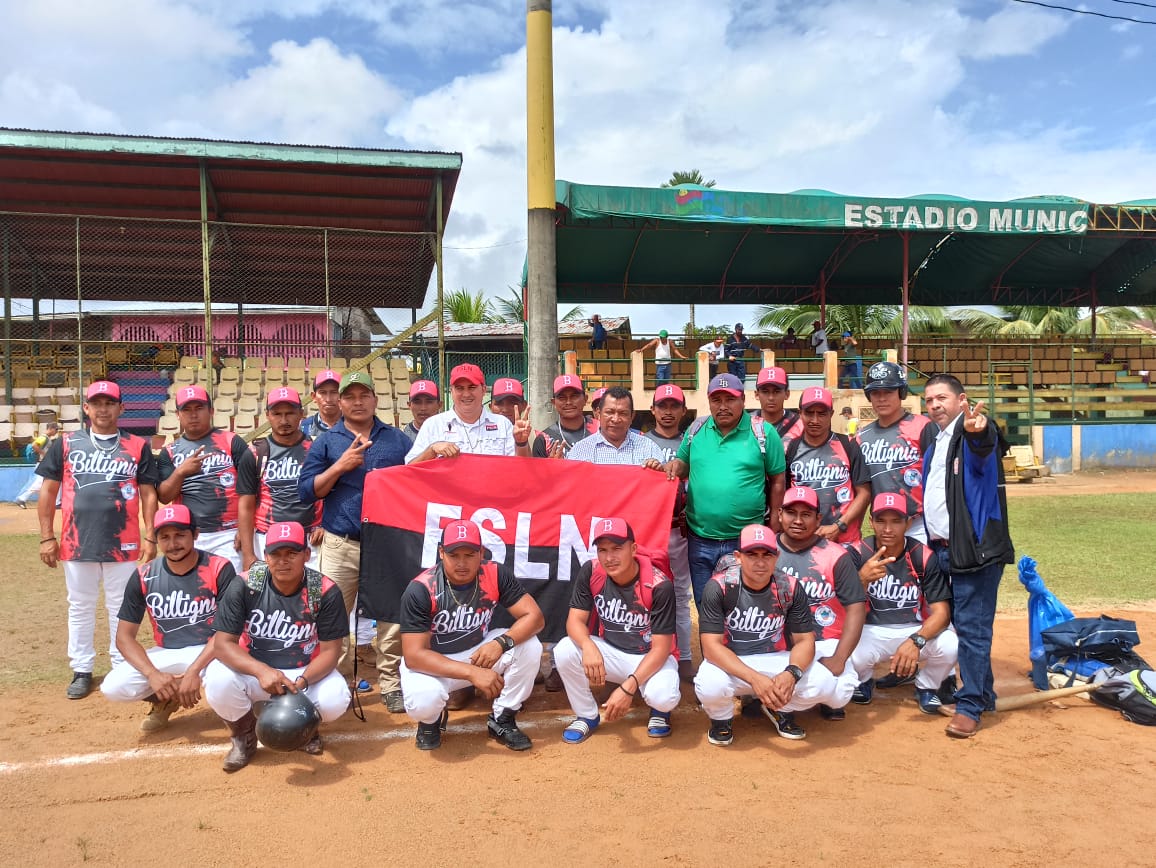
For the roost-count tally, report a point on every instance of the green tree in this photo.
(1033, 321)
(689, 176)
(461, 305)
(510, 308)
(885, 320)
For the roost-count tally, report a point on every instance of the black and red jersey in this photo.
(210, 495)
(627, 616)
(180, 606)
(832, 469)
(457, 618)
(100, 480)
(754, 622)
(912, 583)
(273, 474)
(789, 427)
(894, 460)
(827, 573)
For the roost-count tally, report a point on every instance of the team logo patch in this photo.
(227, 479)
(912, 477)
(878, 371)
(128, 491)
(824, 616)
(843, 495)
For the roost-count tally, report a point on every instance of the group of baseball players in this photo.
(258, 572)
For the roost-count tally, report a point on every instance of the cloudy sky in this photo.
(989, 99)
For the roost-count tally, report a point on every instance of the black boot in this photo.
(244, 733)
(505, 729)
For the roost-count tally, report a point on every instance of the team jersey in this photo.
(789, 427)
(555, 433)
(457, 617)
(100, 480)
(668, 445)
(180, 606)
(894, 460)
(754, 622)
(912, 583)
(282, 631)
(827, 573)
(624, 621)
(832, 470)
(210, 495)
(273, 474)
(410, 430)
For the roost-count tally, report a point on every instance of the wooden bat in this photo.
(1022, 700)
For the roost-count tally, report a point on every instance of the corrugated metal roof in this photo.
(566, 328)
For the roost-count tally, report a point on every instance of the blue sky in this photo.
(981, 98)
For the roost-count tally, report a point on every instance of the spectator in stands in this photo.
(572, 425)
(663, 349)
(852, 376)
(327, 399)
(819, 338)
(714, 350)
(848, 423)
(597, 333)
(334, 472)
(423, 402)
(200, 469)
(736, 349)
(790, 341)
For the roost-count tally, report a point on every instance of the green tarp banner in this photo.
(820, 209)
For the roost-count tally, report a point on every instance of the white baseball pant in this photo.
(231, 694)
(313, 563)
(716, 689)
(660, 691)
(680, 566)
(848, 681)
(879, 643)
(125, 683)
(223, 543)
(426, 695)
(82, 580)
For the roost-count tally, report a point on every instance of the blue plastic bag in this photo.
(1044, 610)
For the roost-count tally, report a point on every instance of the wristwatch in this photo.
(918, 640)
(505, 641)
(842, 525)
(795, 672)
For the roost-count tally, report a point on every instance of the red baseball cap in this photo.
(423, 387)
(103, 389)
(757, 536)
(282, 395)
(175, 515)
(614, 529)
(505, 387)
(326, 376)
(469, 373)
(888, 501)
(669, 392)
(461, 534)
(772, 377)
(598, 395)
(285, 534)
(801, 494)
(728, 383)
(191, 395)
(816, 395)
(568, 381)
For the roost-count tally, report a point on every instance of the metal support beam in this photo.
(5, 277)
(441, 305)
(207, 361)
(906, 296)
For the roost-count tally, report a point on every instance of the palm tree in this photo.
(463, 306)
(1033, 321)
(885, 320)
(689, 176)
(510, 308)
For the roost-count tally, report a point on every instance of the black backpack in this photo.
(1081, 647)
(1133, 694)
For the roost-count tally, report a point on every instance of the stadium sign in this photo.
(996, 218)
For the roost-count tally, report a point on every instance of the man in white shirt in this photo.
(819, 338)
(468, 427)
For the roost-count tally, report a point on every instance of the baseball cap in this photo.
(771, 377)
(355, 378)
(816, 395)
(506, 386)
(103, 388)
(728, 383)
(460, 535)
(176, 515)
(327, 376)
(664, 334)
(282, 395)
(801, 494)
(568, 381)
(469, 373)
(614, 529)
(889, 501)
(598, 395)
(423, 387)
(39, 440)
(846, 334)
(285, 534)
(757, 536)
(191, 395)
(669, 392)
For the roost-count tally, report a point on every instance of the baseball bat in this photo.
(1022, 700)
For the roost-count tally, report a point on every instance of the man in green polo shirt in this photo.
(731, 468)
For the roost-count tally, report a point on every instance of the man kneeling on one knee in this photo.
(279, 630)
(620, 629)
(903, 581)
(750, 615)
(447, 643)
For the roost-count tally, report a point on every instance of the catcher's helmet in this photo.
(886, 375)
(287, 722)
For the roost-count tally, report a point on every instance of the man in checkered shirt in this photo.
(614, 442)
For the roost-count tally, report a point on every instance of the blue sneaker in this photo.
(364, 686)
(864, 692)
(659, 725)
(929, 702)
(580, 729)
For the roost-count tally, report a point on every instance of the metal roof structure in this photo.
(477, 330)
(286, 224)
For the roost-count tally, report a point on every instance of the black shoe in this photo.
(864, 692)
(81, 685)
(785, 724)
(890, 681)
(394, 702)
(22, 504)
(829, 713)
(429, 735)
(751, 707)
(946, 691)
(505, 729)
(721, 732)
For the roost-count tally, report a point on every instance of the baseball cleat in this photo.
(785, 724)
(829, 713)
(929, 702)
(429, 735)
(158, 716)
(659, 724)
(721, 732)
(81, 685)
(864, 692)
(504, 728)
(580, 729)
(891, 680)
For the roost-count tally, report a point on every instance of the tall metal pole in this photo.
(906, 296)
(328, 318)
(442, 372)
(79, 321)
(7, 319)
(207, 362)
(541, 254)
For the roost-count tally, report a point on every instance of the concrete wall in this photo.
(1069, 448)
